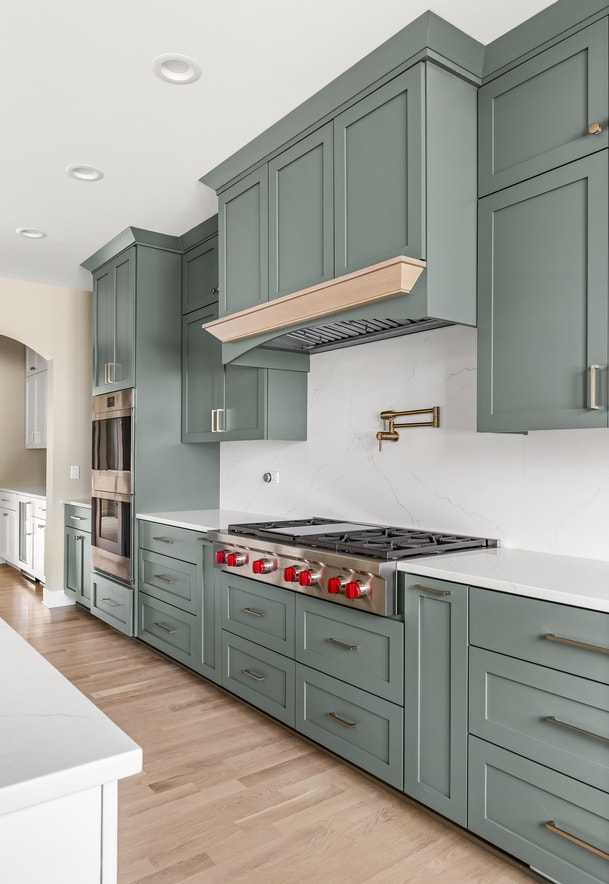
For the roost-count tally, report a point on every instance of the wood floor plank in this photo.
(226, 795)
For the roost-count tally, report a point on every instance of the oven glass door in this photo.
(112, 444)
(111, 536)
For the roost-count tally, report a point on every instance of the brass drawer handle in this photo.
(253, 675)
(163, 578)
(574, 644)
(335, 641)
(78, 537)
(111, 602)
(164, 628)
(551, 719)
(429, 589)
(552, 827)
(254, 612)
(342, 721)
(162, 540)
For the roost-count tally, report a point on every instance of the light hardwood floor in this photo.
(227, 795)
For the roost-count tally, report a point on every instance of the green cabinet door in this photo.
(435, 700)
(77, 565)
(379, 175)
(542, 301)
(301, 214)
(243, 243)
(114, 324)
(200, 275)
(535, 117)
(201, 362)
(208, 613)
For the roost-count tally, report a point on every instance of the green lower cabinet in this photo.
(77, 565)
(435, 695)
(554, 823)
(170, 580)
(167, 628)
(263, 614)
(208, 612)
(112, 602)
(356, 725)
(260, 676)
(543, 301)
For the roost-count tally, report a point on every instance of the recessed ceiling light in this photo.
(31, 232)
(176, 69)
(84, 172)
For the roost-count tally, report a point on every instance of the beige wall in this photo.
(56, 322)
(18, 465)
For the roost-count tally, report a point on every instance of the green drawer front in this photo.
(518, 627)
(112, 603)
(560, 720)
(167, 628)
(511, 801)
(257, 612)
(169, 580)
(78, 517)
(261, 677)
(363, 729)
(359, 648)
(179, 543)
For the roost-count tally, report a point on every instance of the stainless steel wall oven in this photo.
(112, 485)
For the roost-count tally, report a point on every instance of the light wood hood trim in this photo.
(307, 307)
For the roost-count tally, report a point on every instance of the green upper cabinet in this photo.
(234, 402)
(114, 323)
(200, 275)
(378, 169)
(536, 116)
(243, 243)
(543, 301)
(301, 235)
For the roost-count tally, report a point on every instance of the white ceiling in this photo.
(78, 87)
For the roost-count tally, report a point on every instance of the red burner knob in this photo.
(354, 590)
(263, 566)
(289, 574)
(220, 557)
(235, 560)
(304, 578)
(334, 585)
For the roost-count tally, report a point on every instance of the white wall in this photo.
(548, 491)
(18, 465)
(56, 322)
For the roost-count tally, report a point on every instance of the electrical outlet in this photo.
(75, 472)
(270, 477)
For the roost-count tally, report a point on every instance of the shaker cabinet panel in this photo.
(114, 324)
(243, 252)
(200, 275)
(435, 701)
(536, 116)
(201, 361)
(301, 218)
(542, 302)
(379, 175)
(36, 410)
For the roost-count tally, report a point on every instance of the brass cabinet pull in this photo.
(164, 628)
(592, 400)
(595, 129)
(79, 518)
(214, 412)
(335, 641)
(77, 537)
(551, 719)
(111, 602)
(215, 290)
(429, 589)
(552, 827)
(253, 675)
(254, 612)
(162, 540)
(574, 644)
(342, 721)
(164, 579)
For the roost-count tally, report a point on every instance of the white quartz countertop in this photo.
(53, 740)
(203, 520)
(29, 490)
(565, 579)
(83, 501)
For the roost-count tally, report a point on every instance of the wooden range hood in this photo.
(321, 317)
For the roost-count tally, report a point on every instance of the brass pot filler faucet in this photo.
(389, 433)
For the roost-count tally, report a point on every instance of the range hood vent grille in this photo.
(348, 333)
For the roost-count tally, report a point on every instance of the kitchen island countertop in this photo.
(565, 579)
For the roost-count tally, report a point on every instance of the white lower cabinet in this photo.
(9, 527)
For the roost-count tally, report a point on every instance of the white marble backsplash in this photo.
(548, 491)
